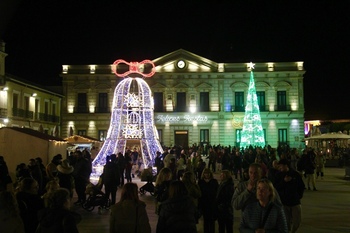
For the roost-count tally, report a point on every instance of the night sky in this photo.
(42, 35)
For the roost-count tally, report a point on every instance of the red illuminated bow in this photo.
(134, 67)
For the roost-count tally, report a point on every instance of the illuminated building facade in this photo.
(196, 100)
(27, 105)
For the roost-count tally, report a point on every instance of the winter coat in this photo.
(58, 221)
(111, 175)
(254, 213)
(125, 214)
(207, 200)
(290, 192)
(177, 215)
(223, 199)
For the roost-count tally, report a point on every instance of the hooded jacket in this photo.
(58, 221)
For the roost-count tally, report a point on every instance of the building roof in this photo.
(34, 133)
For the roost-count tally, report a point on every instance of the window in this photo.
(204, 102)
(261, 100)
(82, 132)
(102, 134)
(26, 103)
(102, 106)
(82, 103)
(239, 102)
(158, 101)
(36, 108)
(281, 100)
(282, 137)
(204, 135)
(15, 101)
(181, 102)
(46, 108)
(53, 109)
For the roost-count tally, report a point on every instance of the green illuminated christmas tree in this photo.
(252, 132)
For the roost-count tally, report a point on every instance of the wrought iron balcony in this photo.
(3, 112)
(81, 109)
(102, 110)
(283, 108)
(17, 112)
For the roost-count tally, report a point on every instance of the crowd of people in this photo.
(271, 183)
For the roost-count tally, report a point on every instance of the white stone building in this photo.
(196, 100)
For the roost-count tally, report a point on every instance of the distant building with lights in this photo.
(196, 100)
(27, 105)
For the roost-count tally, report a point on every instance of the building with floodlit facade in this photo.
(196, 100)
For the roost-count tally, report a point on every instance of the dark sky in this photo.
(42, 35)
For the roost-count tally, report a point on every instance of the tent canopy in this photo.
(78, 139)
(328, 136)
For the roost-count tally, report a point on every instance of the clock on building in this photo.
(181, 64)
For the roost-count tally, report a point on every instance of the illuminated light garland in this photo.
(132, 118)
(252, 132)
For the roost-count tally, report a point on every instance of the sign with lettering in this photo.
(182, 119)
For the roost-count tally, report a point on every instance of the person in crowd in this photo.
(58, 217)
(264, 215)
(158, 162)
(10, 220)
(245, 191)
(309, 168)
(162, 185)
(237, 165)
(168, 156)
(129, 214)
(177, 213)
(180, 166)
(200, 168)
(5, 177)
(206, 203)
(212, 159)
(121, 167)
(35, 173)
(290, 188)
(21, 173)
(273, 170)
(39, 162)
(81, 174)
(29, 202)
(223, 199)
(111, 178)
(51, 168)
(264, 169)
(320, 161)
(51, 187)
(65, 176)
(192, 187)
(128, 166)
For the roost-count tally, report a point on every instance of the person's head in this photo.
(29, 185)
(129, 192)
(164, 175)
(275, 164)
(2, 159)
(38, 160)
(8, 203)
(188, 177)
(225, 175)
(254, 172)
(113, 158)
(283, 165)
(177, 189)
(60, 199)
(207, 174)
(265, 190)
(32, 162)
(52, 186)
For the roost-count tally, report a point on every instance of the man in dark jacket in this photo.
(82, 171)
(290, 188)
(111, 178)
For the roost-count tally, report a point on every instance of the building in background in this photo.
(196, 100)
(27, 105)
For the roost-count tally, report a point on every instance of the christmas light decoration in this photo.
(252, 132)
(132, 118)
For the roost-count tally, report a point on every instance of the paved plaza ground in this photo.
(324, 211)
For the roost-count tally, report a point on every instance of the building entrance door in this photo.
(181, 138)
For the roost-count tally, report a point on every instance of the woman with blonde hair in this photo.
(264, 215)
(162, 184)
(129, 214)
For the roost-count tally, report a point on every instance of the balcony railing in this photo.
(236, 108)
(47, 117)
(3, 112)
(264, 108)
(283, 108)
(17, 112)
(81, 109)
(102, 110)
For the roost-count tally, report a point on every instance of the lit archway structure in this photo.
(132, 117)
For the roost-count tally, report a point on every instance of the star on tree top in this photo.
(251, 65)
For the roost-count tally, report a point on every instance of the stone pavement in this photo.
(323, 211)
